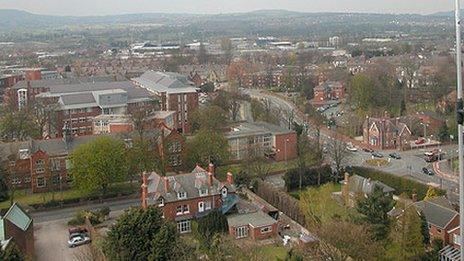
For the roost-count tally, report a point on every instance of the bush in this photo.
(95, 217)
(213, 223)
(310, 177)
(400, 184)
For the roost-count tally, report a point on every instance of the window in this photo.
(174, 147)
(41, 182)
(184, 226)
(181, 195)
(241, 232)
(203, 192)
(27, 180)
(68, 164)
(438, 230)
(457, 239)
(201, 206)
(15, 181)
(40, 166)
(224, 192)
(56, 179)
(160, 202)
(175, 160)
(207, 205)
(56, 164)
(182, 209)
(266, 230)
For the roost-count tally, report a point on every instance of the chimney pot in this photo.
(211, 168)
(210, 179)
(230, 178)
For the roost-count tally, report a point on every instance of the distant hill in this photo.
(446, 13)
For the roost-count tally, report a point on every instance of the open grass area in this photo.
(66, 195)
(272, 252)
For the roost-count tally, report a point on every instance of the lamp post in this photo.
(460, 121)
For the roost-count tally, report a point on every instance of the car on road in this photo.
(377, 155)
(395, 155)
(78, 240)
(368, 150)
(428, 171)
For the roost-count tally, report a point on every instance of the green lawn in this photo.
(272, 252)
(70, 194)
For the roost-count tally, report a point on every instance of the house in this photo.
(42, 165)
(442, 219)
(176, 93)
(356, 186)
(261, 139)
(329, 90)
(386, 133)
(18, 227)
(255, 225)
(188, 196)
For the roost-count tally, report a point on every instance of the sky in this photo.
(106, 7)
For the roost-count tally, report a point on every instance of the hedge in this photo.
(309, 178)
(400, 184)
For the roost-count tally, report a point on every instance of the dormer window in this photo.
(224, 192)
(181, 195)
(160, 202)
(203, 192)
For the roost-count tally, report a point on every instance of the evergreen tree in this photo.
(3, 185)
(407, 239)
(375, 209)
(443, 133)
(425, 229)
(214, 223)
(11, 253)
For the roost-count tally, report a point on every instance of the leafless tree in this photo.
(141, 115)
(339, 155)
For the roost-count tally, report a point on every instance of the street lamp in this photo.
(460, 121)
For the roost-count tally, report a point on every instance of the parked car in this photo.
(351, 148)
(377, 155)
(78, 240)
(428, 171)
(368, 150)
(419, 141)
(395, 155)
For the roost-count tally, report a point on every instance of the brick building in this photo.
(261, 139)
(386, 133)
(441, 218)
(175, 92)
(188, 196)
(255, 225)
(18, 227)
(42, 165)
(329, 90)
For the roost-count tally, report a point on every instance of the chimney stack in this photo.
(211, 168)
(230, 178)
(144, 190)
(210, 179)
(346, 188)
(166, 184)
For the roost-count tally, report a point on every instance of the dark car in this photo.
(395, 155)
(377, 155)
(368, 150)
(428, 171)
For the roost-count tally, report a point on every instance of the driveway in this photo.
(51, 243)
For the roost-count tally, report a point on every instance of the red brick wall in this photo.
(62, 118)
(257, 235)
(182, 117)
(23, 239)
(436, 232)
(120, 127)
(33, 75)
(289, 147)
(170, 212)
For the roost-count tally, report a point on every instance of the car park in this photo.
(78, 240)
(377, 155)
(395, 155)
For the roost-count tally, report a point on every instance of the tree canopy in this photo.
(98, 163)
(143, 235)
(207, 146)
(210, 117)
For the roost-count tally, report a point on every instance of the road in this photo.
(410, 165)
(66, 213)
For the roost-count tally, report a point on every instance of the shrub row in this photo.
(310, 177)
(400, 184)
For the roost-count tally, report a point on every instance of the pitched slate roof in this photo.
(46, 83)
(436, 214)
(165, 82)
(189, 183)
(254, 219)
(18, 217)
(255, 128)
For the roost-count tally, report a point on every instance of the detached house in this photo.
(188, 196)
(386, 133)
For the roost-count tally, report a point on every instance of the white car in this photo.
(352, 148)
(78, 240)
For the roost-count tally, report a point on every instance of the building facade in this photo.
(386, 133)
